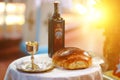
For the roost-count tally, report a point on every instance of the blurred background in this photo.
(92, 25)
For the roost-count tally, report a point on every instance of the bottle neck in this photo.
(56, 10)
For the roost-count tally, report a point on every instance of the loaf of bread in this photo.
(72, 58)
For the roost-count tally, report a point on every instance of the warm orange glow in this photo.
(14, 13)
(15, 8)
(94, 15)
(14, 19)
(80, 9)
(92, 12)
(2, 7)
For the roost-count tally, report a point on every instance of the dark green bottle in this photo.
(56, 32)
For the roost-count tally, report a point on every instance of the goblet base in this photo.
(32, 66)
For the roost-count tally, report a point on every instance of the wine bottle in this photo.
(56, 31)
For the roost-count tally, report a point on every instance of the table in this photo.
(91, 73)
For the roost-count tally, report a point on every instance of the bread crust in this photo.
(72, 58)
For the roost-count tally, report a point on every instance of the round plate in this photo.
(41, 66)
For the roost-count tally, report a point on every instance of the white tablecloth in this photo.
(91, 73)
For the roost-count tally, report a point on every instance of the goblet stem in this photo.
(32, 61)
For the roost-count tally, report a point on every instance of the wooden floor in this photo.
(9, 51)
